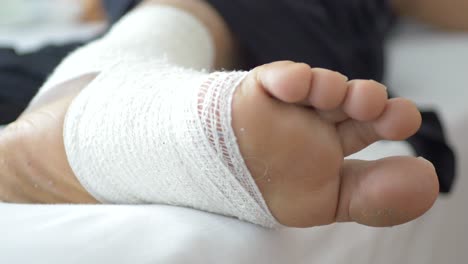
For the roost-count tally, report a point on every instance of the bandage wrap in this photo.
(150, 32)
(148, 129)
(162, 135)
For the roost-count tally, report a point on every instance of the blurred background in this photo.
(29, 24)
(34, 37)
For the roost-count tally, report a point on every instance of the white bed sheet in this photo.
(427, 66)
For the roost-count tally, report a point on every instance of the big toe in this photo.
(387, 192)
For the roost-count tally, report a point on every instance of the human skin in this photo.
(444, 14)
(92, 11)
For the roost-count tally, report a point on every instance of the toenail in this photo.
(345, 78)
(381, 84)
(427, 161)
(384, 86)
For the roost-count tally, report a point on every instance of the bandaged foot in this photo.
(267, 147)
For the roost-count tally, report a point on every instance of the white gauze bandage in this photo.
(152, 31)
(148, 129)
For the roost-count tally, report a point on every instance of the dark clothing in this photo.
(22, 75)
(346, 36)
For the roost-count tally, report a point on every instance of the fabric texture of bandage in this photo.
(147, 32)
(154, 126)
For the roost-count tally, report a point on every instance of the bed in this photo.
(425, 65)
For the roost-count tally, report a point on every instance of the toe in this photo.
(297, 83)
(365, 100)
(400, 120)
(327, 89)
(286, 81)
(386, 192)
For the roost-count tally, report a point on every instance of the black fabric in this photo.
(430, 143)
(22, 75)
(115, 9)
(346, 36)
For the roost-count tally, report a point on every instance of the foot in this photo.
(295, 125)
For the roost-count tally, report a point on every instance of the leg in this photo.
(450, 14)
(92, 10)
